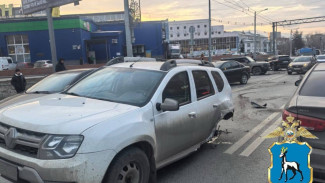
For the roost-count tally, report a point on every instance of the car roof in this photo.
(320, 67)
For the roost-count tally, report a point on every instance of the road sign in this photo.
(32, 6)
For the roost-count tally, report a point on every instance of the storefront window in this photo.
(18, 48)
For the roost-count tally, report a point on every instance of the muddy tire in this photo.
(244, 79)
(257, 71)
(130, 166)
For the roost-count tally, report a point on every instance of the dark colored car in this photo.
(308, 106)
(234, 71)
(257, 68)
(279, 62)
(301, 64)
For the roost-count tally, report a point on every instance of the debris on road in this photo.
(258, 106)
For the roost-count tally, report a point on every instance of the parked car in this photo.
(279, 62)
(118, 124)
(320, 58)
(6, 63)
(257, 68)
(308, 106)
(23, 65)
(43, 64)
(234, 71)
(129, 59)
(53, 83)
(301, 64)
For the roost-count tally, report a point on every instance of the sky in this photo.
(235, 15)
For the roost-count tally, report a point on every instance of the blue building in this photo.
(79, 37)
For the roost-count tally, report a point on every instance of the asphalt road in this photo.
(240, 154)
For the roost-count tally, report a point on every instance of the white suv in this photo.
(118, 125)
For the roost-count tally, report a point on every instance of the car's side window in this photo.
(218, 80)
(226, 66)
(234, 65)
(203, 85)
(178, 88)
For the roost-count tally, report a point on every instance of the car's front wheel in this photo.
(244, 79)
(257, 71)
(289, 73)
(130, 166)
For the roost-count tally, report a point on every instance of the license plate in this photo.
(8, 170)
(296, 69)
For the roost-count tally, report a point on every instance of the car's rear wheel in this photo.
(244, 79)
(130, 166)
(257, 71)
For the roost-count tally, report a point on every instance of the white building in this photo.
(247, 38)
(222, 41)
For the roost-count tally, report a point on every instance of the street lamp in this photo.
(256, 13)
(210, 59)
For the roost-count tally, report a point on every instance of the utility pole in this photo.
(129, 50)
(255, 45)
(273, 40)
(290, 43)
(210, 59)
(52, 37)
(255, 35)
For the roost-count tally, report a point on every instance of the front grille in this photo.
(297, 66)
(25, 142)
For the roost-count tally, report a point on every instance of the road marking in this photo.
(245, 88)
(251, 148)
(250, 134)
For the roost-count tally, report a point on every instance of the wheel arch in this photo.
(148, 148)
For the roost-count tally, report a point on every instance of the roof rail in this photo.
(173, 63)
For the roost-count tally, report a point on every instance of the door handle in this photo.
(216, 106)
(192, 115)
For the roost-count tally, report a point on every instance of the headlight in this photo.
(290, 65)
(305, 65)
(60, 147)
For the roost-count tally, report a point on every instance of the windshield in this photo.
(284, 58)
(218, 64)
(302, 59)
(54, 83)
(321, 57)
(250, 59)
(127, 85)
(175, 51)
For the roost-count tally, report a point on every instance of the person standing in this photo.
(18, 81)
(60, 66)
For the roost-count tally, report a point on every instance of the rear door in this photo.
(208, 113)
(237, 71)
(228, 71)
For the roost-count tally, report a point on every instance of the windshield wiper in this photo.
(41, 92)
(72, 93)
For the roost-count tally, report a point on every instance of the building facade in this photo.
(247, 39)
(222, 41)
(101, 36)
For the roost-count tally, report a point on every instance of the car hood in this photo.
(299, 63)
(16, 99)
(60, 114)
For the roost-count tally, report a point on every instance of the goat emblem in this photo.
(286, 165)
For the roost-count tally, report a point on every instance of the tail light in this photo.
(308, 122)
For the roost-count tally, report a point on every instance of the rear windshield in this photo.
(315, 85)
(284, 58)
(302, 59)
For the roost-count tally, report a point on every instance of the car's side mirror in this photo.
(169, 105)
(297, 83)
